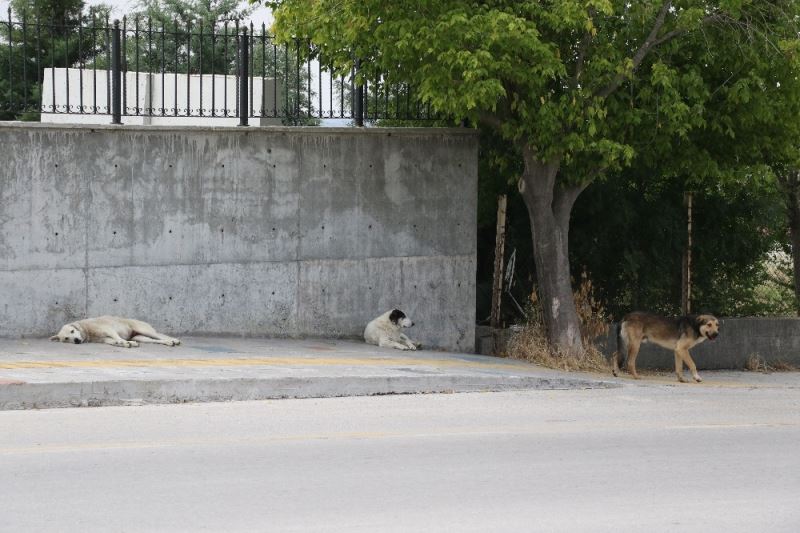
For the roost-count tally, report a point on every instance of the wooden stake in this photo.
(686, 281)
(499, 252)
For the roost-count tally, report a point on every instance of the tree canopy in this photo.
(580, 88)
(544, 70)
(49, 35)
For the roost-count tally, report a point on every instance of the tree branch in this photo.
(582, 51)
(539, 177)
(564, 198)
(650, 43)
(581, 58)
(647, 45)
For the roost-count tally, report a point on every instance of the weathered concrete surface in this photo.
(41, 374)
(772, 339)
(258, 231)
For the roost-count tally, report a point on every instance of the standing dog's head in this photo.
(399, 319)
(708, 326)
(71, 333)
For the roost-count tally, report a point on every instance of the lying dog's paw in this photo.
(131, 344)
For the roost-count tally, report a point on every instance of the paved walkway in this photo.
(36, 373)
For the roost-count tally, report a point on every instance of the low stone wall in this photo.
(774, 340)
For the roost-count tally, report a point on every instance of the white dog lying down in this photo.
(112, 330)
(385, 331)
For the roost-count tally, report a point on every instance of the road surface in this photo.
(639, 458)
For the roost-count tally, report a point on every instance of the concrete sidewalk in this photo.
(38, 373)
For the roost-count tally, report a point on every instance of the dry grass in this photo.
(783, 366)
(530, 343)
(756, 363)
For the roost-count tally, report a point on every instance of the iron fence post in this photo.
(244, 78)
(116, 86)
(358, 104)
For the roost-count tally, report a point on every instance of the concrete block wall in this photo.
(772, 339)
(242, 231)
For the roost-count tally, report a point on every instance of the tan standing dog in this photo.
(678, 334)
(124, 332)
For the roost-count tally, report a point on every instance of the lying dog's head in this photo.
(70, 333)
(399, 319)
(708, 326)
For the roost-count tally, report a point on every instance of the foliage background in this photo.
(628, 234)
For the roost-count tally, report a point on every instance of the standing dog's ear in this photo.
(54, 338)
(396, 316)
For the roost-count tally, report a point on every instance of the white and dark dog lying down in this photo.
(385, 331)
(116, 331)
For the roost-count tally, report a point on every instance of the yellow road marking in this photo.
(256, 361)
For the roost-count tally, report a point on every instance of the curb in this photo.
(16, 395)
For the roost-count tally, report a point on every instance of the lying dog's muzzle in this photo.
(76, 341)
(712, 336)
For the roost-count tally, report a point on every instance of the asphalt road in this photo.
(652, 458)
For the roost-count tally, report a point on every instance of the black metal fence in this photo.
(156, 71)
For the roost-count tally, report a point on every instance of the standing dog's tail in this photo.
(620, 352)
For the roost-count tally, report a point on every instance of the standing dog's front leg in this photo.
(687, 358)
(679, 366)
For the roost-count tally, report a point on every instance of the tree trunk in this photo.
(791, 187)
(549, 207)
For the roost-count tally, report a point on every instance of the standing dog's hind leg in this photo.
(615, 363)
(633, 352)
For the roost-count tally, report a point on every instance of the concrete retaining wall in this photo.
(249, 231)
(772, 339)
